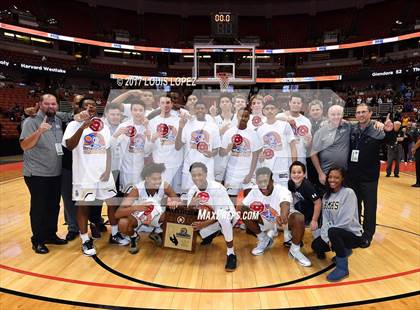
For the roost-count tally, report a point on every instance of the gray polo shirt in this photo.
(42, 159)
(332, 145)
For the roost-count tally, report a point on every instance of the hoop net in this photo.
(224, 79)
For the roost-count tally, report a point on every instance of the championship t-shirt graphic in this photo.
(137, 142)
(94, 143)
(271, 143)
(167, 134)
(241, 147)
(200, 140)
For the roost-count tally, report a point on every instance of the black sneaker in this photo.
(157, 238)
(365, 243)
(321, 255)
(88, 249)
(118, 239)
(396, 176)
(94, 230)
(134, 246)
(415, 185)
(230, 262)
(71, 235)
(288, 244)
(209, 239)
(388, 175)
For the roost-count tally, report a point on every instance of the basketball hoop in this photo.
(224, 78)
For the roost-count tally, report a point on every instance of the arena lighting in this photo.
(40, 40)
(190, 50)
(112, 51)
(8, 34)
(201, 56)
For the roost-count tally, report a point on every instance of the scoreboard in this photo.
(224, 25)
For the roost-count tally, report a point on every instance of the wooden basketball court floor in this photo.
(387, 274)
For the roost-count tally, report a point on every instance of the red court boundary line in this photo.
(16, 166)
(239, 290)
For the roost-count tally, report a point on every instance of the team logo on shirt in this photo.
(94, 143)
(200, 140)
(257, 206)
(97, 124)
(149, 210)
(256, 121)
(163, 130)
(269, 214)
(167, 134)
(272, 140)
(131, 131)
(302, 130)
(268, 153)
(241, 149)
(237, 139)
(204, 197)
(136, 144)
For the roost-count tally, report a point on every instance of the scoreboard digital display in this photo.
(224, 25)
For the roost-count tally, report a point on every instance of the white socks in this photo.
(114, 229)
(230, 251)
(84, 237)
(294, 247)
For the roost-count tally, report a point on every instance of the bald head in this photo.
(335, 115)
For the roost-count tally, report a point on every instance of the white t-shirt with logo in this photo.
(89, 156)
(164, 147)
(134, 147)
(244, 143)
(268, 206)
(276, 139)
(303, 127)
(197, 136)
(214, 196)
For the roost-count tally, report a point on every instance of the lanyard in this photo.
(360, 137)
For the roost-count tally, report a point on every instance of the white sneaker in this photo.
(262, 245)
(272, 233)
(302, 259)
(88, 248)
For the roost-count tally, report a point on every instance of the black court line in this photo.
(396, 228)
(127, 277)
(316, 274)
(101, 306)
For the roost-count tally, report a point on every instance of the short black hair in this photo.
(84, 99)
(198, 165)
(297, 163)
(270, 102)
(152, 168)
(200, 102)
(138, 102)
(296, 95)
(264, 171)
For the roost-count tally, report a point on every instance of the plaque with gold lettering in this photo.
(178, 232)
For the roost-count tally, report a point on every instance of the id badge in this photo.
(59, 149)
(354, 156)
